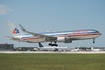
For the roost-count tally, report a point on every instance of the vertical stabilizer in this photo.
(40, 45)
(14, 30)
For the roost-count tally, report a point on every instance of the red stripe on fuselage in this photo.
(29, 38)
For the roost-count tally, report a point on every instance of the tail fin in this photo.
(40, 45)
(15, 31)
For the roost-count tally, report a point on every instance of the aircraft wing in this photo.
(47, 38)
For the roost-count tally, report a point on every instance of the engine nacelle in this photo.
(64, 39)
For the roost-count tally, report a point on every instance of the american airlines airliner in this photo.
(52, 37)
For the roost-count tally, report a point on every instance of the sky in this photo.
(53, 15)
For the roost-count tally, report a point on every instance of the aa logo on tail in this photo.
(15, 31)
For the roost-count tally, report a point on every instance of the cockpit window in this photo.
(93, 31)
(97, 31)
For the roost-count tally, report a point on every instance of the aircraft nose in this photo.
(98, 33)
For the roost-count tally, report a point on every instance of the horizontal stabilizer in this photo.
(9, 36)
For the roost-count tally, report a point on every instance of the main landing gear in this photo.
(93, 40)
(50, 44)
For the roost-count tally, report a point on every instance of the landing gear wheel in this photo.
(50, 44)
(93, 40)
(56, 44)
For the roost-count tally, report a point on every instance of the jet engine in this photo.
(64, 39)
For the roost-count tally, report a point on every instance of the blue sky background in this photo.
(53, 15)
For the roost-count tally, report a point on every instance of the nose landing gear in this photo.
(93, 40)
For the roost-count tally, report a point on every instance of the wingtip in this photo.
(9, 22)
(23, 29)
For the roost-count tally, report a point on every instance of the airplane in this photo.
(50, 48)
(52, 37)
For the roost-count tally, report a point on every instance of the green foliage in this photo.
(52, 61)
